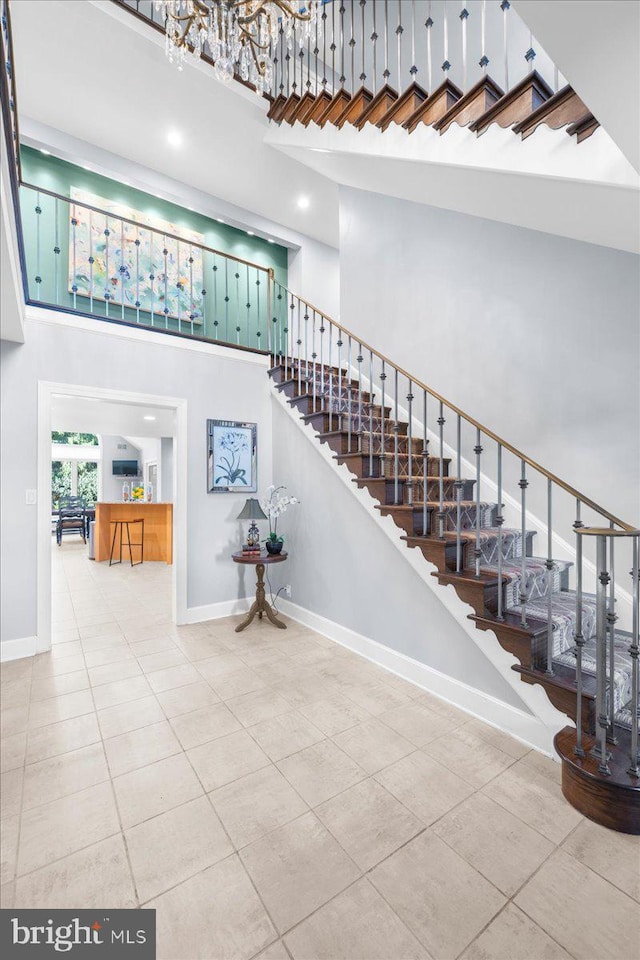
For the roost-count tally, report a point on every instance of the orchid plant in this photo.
(274, 503)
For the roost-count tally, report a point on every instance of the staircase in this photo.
(564, 639)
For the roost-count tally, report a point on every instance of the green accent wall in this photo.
(228, 286)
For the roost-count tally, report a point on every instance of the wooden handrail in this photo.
(475, 423)
(143, 226)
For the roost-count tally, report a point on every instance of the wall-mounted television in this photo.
(125, 468)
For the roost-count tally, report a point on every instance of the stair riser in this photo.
(565, 701)
(441, 552)
(305, 388)
(326, 423)
(307, 404)
(481, 596)
(384, 489)
(433, 490)
(362, 468)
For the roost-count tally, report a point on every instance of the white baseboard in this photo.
(523, 726)
(16, 649)
(215, 611)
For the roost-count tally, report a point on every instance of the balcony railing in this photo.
(83, 259)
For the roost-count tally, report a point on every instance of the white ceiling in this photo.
(92, 71)
(597, 47)
(86, 415)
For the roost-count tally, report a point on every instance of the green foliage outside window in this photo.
(86, 439)
(88, 481)
(60, 480)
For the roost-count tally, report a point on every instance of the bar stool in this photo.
(117, 528)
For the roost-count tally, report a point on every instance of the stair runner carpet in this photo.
(348, 412)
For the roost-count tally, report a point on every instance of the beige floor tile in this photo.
(355, 924)
(11, 792)
(500, 847)
(284, 735)
(44, 712)
(9, 831)
(8, 895)
(297, 868)
(373, 745)
(65, 774)
(424, 786)
(57, 686)
(153, 662)
(546, 766)
(138, 748)
(15, 693)
(62, 737)
(416, 723)
(12, 751)
(334, 714)
(595, 918)
(443, 708)
(261, 705)
(277, 951)
(468, 756)
(368, 822)
(12, 670)
(513, 936)
(235, 684)
(185, 699)
(152, 790)
(200, 726)
(375, 697)
(497, 738)
(111, 672)
(226, 759)
(173, 677)
(320, 772)
(536, 800)
(129, 716)
(220, 665)
(236, 926)
(615, 856)
(93, 877)
(55, 830)
(112, 654)
(174, 846)
(108, 641)
(47, 666)
(443, 900)
(122, 691)
(256, 804)
(66, 649)
(143, 648)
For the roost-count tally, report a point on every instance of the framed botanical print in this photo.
(232, 457)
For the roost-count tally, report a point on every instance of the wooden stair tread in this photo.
(321, 103)
(583, 127)
(404, 107)
(378, 107)
(335, 107)
(515, 105)
(472, 105)
(561, 109)
(435, 106)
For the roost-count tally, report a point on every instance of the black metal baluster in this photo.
(409, 483)
(550, 566)
(396, 428)
(458, 487)
(441, 513)
(477, 553)
(579, 639)
(523, 484)
(383, 452)
(425, 462)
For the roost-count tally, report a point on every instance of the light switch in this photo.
(31, 498)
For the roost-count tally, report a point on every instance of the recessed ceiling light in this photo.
(149, 418)
(269, 240)
(250, 233)
(303, 203)
(174, 138)
(219, 219)
(319, 150)
(47, 153)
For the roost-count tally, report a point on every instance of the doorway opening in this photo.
(102, 452)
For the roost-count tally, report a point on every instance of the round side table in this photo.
(260, 604)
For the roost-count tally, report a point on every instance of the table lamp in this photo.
(252, 511)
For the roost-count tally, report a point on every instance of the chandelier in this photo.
(241, 35)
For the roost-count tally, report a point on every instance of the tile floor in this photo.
(273, 795)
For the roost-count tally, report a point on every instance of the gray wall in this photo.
(112, 486)
(345, 568)
(213, 387)
(165, 470)
(536, 336)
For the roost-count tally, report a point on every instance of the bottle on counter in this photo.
(125, 492)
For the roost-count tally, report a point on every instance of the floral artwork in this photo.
(231, 457)
(128, 264)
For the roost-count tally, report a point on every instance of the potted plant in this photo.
(274, 503)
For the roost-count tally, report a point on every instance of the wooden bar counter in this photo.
(158, 529)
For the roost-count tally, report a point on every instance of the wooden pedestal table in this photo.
(260, 605)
